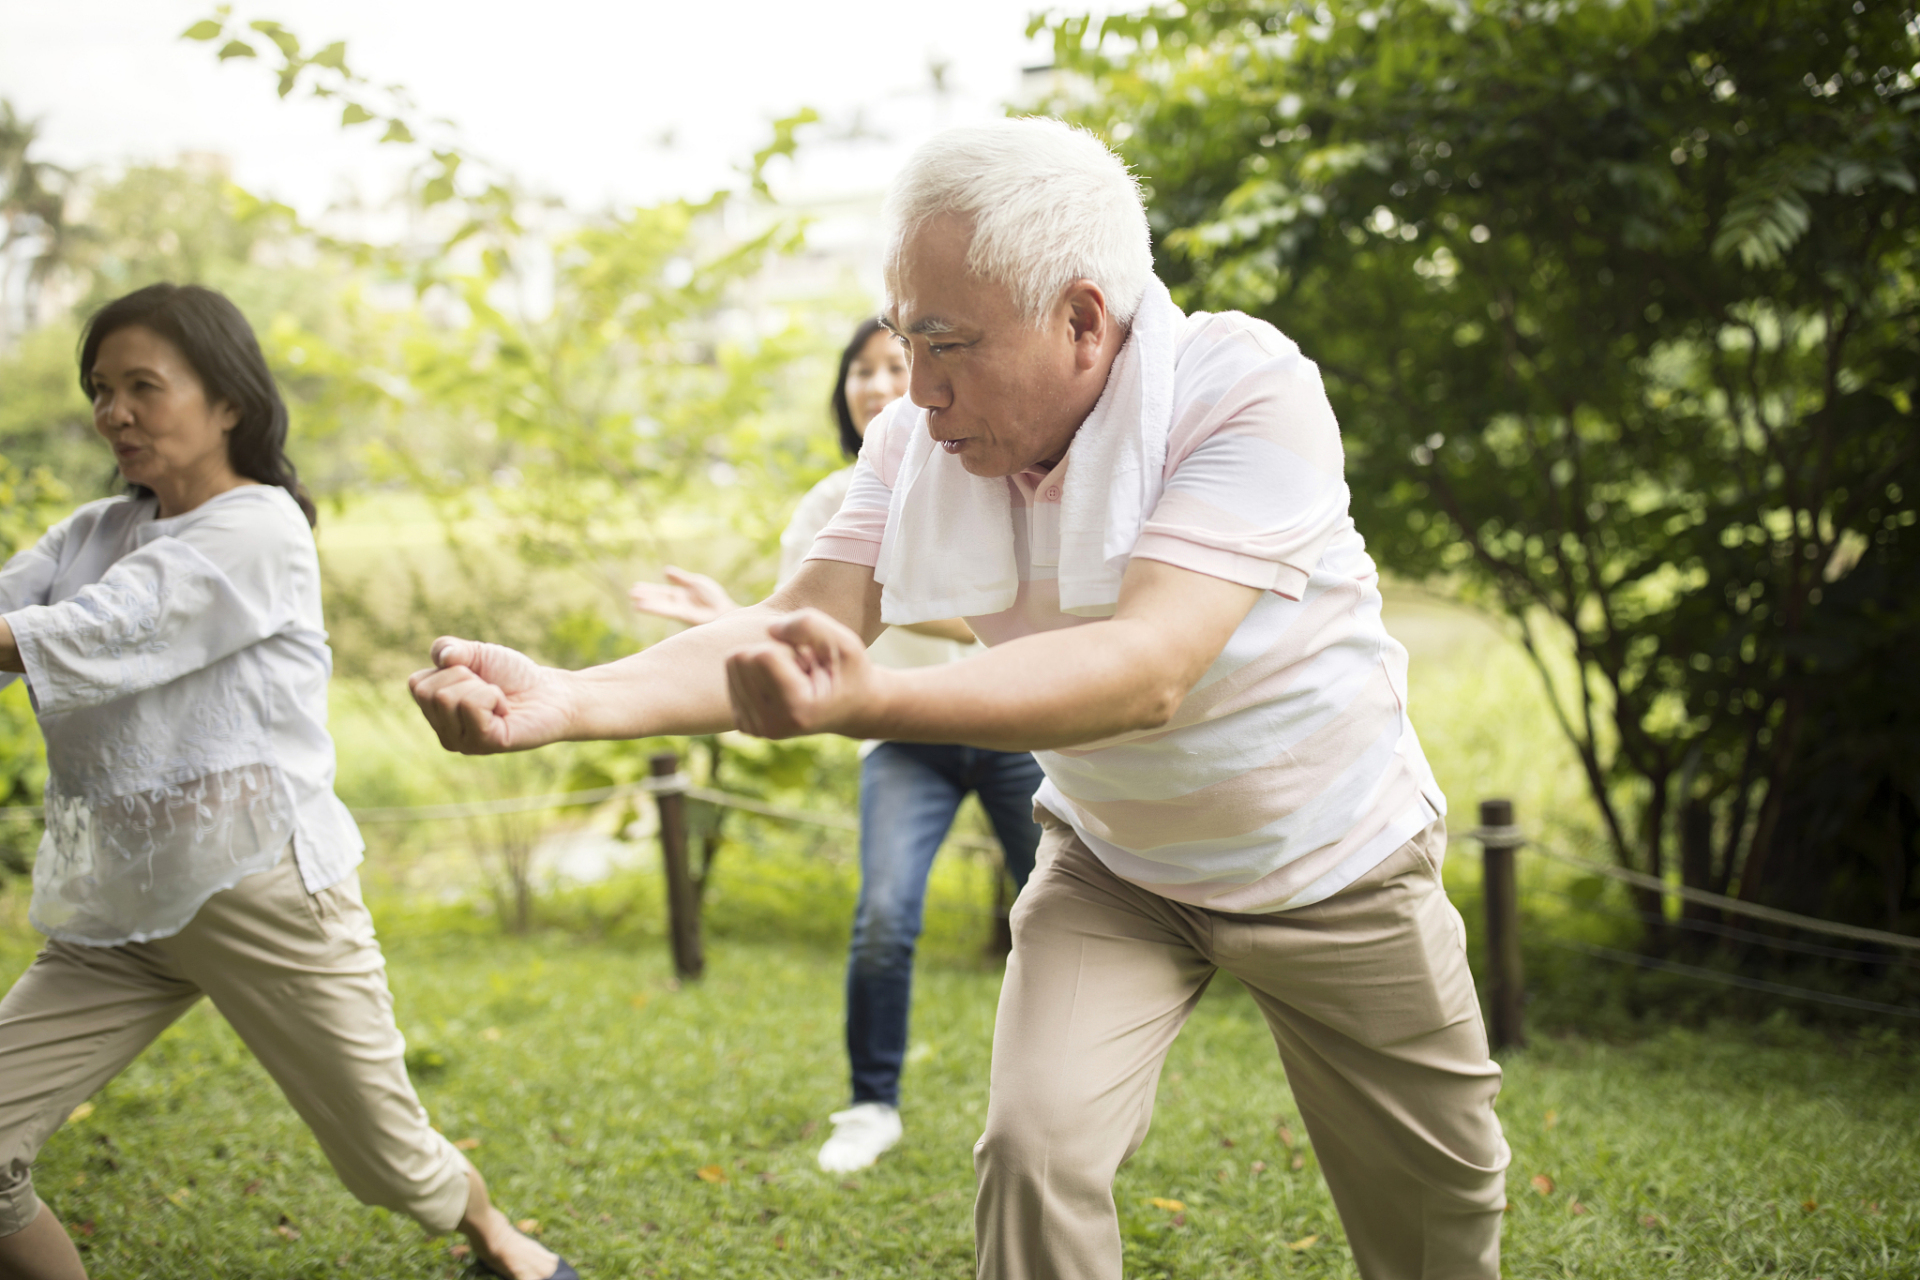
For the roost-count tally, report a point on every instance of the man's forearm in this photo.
(678, 686)
(1054, 689)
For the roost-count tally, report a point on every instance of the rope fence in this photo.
(1499, 837)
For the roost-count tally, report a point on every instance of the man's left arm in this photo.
(1054, 689)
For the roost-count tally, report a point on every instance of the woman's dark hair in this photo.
(842, 412)
(219, 343)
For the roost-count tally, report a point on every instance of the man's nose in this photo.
(927, 387)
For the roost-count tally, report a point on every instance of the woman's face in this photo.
(149, 405)
(876, 378)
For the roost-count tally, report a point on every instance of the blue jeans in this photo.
(909, 793)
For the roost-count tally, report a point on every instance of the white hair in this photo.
(1049, 204)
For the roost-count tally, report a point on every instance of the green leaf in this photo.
(355, 114)
(334, 56)
(397, 131)
(236, 49)
(282, 37)
(205, 29)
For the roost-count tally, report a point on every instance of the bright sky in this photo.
(597, 101)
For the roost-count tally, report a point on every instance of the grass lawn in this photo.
(656, 1131)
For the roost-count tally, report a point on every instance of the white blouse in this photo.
(179, 670)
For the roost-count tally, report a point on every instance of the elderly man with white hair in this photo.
(1142, 513)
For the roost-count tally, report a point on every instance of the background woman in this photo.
(909, 792)
(173, 646)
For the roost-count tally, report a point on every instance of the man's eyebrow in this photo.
(925, 325)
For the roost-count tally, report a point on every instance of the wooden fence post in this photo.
(683, 900)
(1506, 986)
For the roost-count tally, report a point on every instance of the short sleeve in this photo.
(809, 517)
(854, 533)
(1255, 491)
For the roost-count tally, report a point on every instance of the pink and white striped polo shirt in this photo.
(1291, 769)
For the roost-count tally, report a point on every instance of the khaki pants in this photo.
(300, 978)
(1371, 1004)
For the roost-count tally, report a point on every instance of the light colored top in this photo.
(179, 670)
(1291, 769)
(896, 647)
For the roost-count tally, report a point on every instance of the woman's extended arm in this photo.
(25, 580)
(177, 604)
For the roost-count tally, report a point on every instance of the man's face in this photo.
(1000, 394)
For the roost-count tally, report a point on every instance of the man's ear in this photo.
(1089, 322)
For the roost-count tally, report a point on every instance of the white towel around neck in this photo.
(948, 547)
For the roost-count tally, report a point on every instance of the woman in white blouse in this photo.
(173, 647)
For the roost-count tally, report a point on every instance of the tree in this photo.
(1617, 305)
(33, 222)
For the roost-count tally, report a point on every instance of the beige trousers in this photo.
(1372, 1007)
(300, 978)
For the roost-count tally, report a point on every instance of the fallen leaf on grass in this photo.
(528, 1226)
(1304, 1242)
(1542, 1183)
(710, 1173)
(467, 1144)
(1171, 1206)
(80, 1112)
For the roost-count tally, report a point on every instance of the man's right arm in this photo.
(484, 698)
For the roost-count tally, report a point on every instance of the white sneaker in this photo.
(860, 1134)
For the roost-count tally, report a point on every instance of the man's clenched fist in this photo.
(486, 698)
